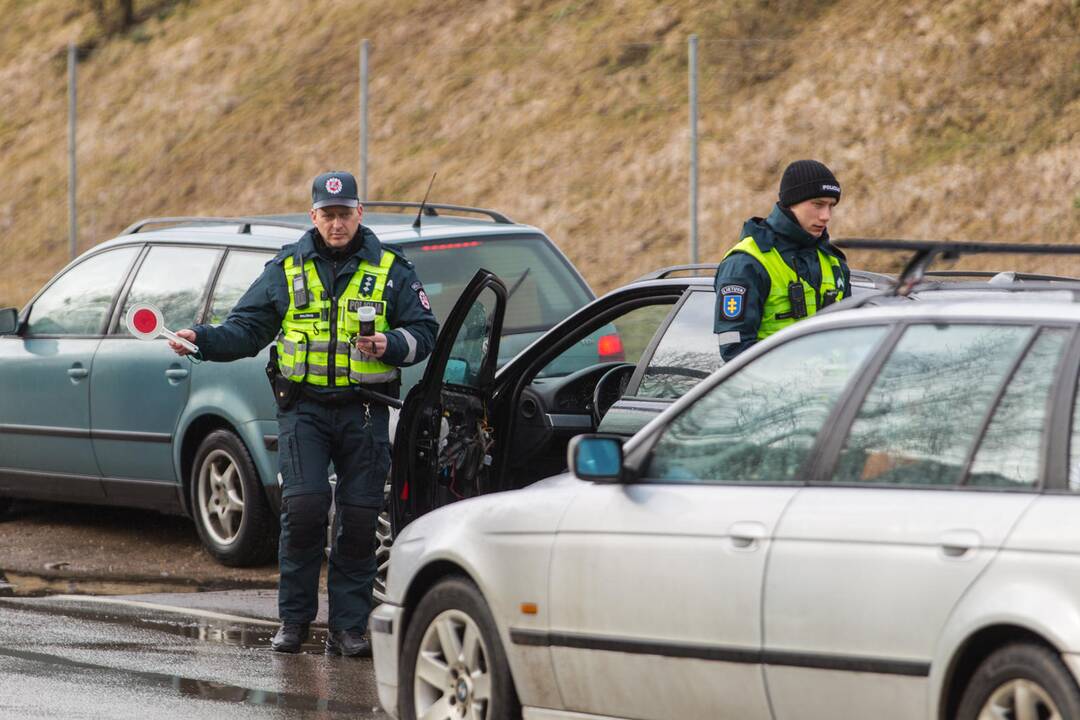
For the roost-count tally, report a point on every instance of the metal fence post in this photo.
(363, 118)
(693, 150)
(72, 218)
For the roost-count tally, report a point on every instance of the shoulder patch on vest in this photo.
(732, 303)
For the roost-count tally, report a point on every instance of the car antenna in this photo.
(416, 222)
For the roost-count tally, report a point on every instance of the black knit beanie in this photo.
(806, 179)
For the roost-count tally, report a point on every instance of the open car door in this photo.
(443, 443)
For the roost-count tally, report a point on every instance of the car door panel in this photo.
(655, 601)
(45, 417)
(672, 566)
(45, 448)
(139, 388)
(914, 518)
(892, 563)
(439, 452)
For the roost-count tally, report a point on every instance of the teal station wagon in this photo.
(88, 413)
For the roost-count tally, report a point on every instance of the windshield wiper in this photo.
(517, 284)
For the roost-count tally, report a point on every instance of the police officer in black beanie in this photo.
(783, 268)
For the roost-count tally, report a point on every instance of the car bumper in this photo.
(385, 626)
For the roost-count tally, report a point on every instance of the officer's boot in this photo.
(289, 637)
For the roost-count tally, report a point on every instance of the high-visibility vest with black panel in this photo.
(316, 336)
(780, 276)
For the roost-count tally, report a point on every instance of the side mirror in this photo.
(9, 321)
(598, 458)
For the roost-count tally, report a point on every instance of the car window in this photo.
(924, 411)
(543, 289)
(241, 268)
(473, 342)
(759, 424)
(1074, 449)
(77, 303)
(687, 353)
(621, 339)
(1010, 449)
(175, 280)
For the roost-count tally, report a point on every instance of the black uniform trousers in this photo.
(354, 436)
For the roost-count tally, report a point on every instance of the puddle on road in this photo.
(205, 689)
(227, 632)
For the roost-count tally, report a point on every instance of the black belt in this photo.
(355, 394)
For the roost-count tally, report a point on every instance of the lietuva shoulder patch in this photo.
(732, 301)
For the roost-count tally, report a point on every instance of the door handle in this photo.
(745, 534)
(77, 372)
(958, 543)
(176, 373)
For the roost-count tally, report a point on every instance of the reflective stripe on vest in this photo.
(304, 345)
(780, 275)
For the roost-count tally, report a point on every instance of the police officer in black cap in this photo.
(784, 268)
(344, 313)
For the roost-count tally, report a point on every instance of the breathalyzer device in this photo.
(366, 315)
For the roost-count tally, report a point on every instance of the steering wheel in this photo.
(609, 388)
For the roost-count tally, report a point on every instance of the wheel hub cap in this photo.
(462, 690)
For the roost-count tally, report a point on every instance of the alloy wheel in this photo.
(452, 680)
(384, 541)
(1019, 699)
(220, 497)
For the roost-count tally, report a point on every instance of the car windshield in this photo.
(543, 288)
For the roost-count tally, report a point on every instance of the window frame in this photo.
(121, 286)
(1059, 436)
(841, 421)
(113, 328)
(633, 387)
(637, 460)
(215, 277)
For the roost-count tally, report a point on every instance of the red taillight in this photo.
(405, 491)
(609, 347)
(450, 246)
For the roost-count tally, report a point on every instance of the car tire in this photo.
(453, 639)
(1019, 678)
(228, 504)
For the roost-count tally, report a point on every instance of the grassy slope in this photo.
(955, 119)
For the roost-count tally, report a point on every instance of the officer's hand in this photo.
(372, 345)
(179, 349)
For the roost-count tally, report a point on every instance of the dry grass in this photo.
(943, 120)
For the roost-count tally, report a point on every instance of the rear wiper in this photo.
(517, 283)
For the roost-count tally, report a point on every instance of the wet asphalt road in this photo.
(79, 657)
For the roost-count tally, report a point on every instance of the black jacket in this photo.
(797, 247)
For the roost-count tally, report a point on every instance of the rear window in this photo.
(544, 288)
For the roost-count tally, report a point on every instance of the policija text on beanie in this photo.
(806, 179)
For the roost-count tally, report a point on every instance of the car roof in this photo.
(1046, 306)
(270, 232)
(704, 274)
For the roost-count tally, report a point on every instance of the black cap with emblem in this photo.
(805, 180)
(334, 188)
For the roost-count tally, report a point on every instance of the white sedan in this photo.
(872, 515)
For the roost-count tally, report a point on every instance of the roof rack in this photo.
(1006, 274)
(925, 252)
(431, 209)
(671, 270)
(244, 223)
